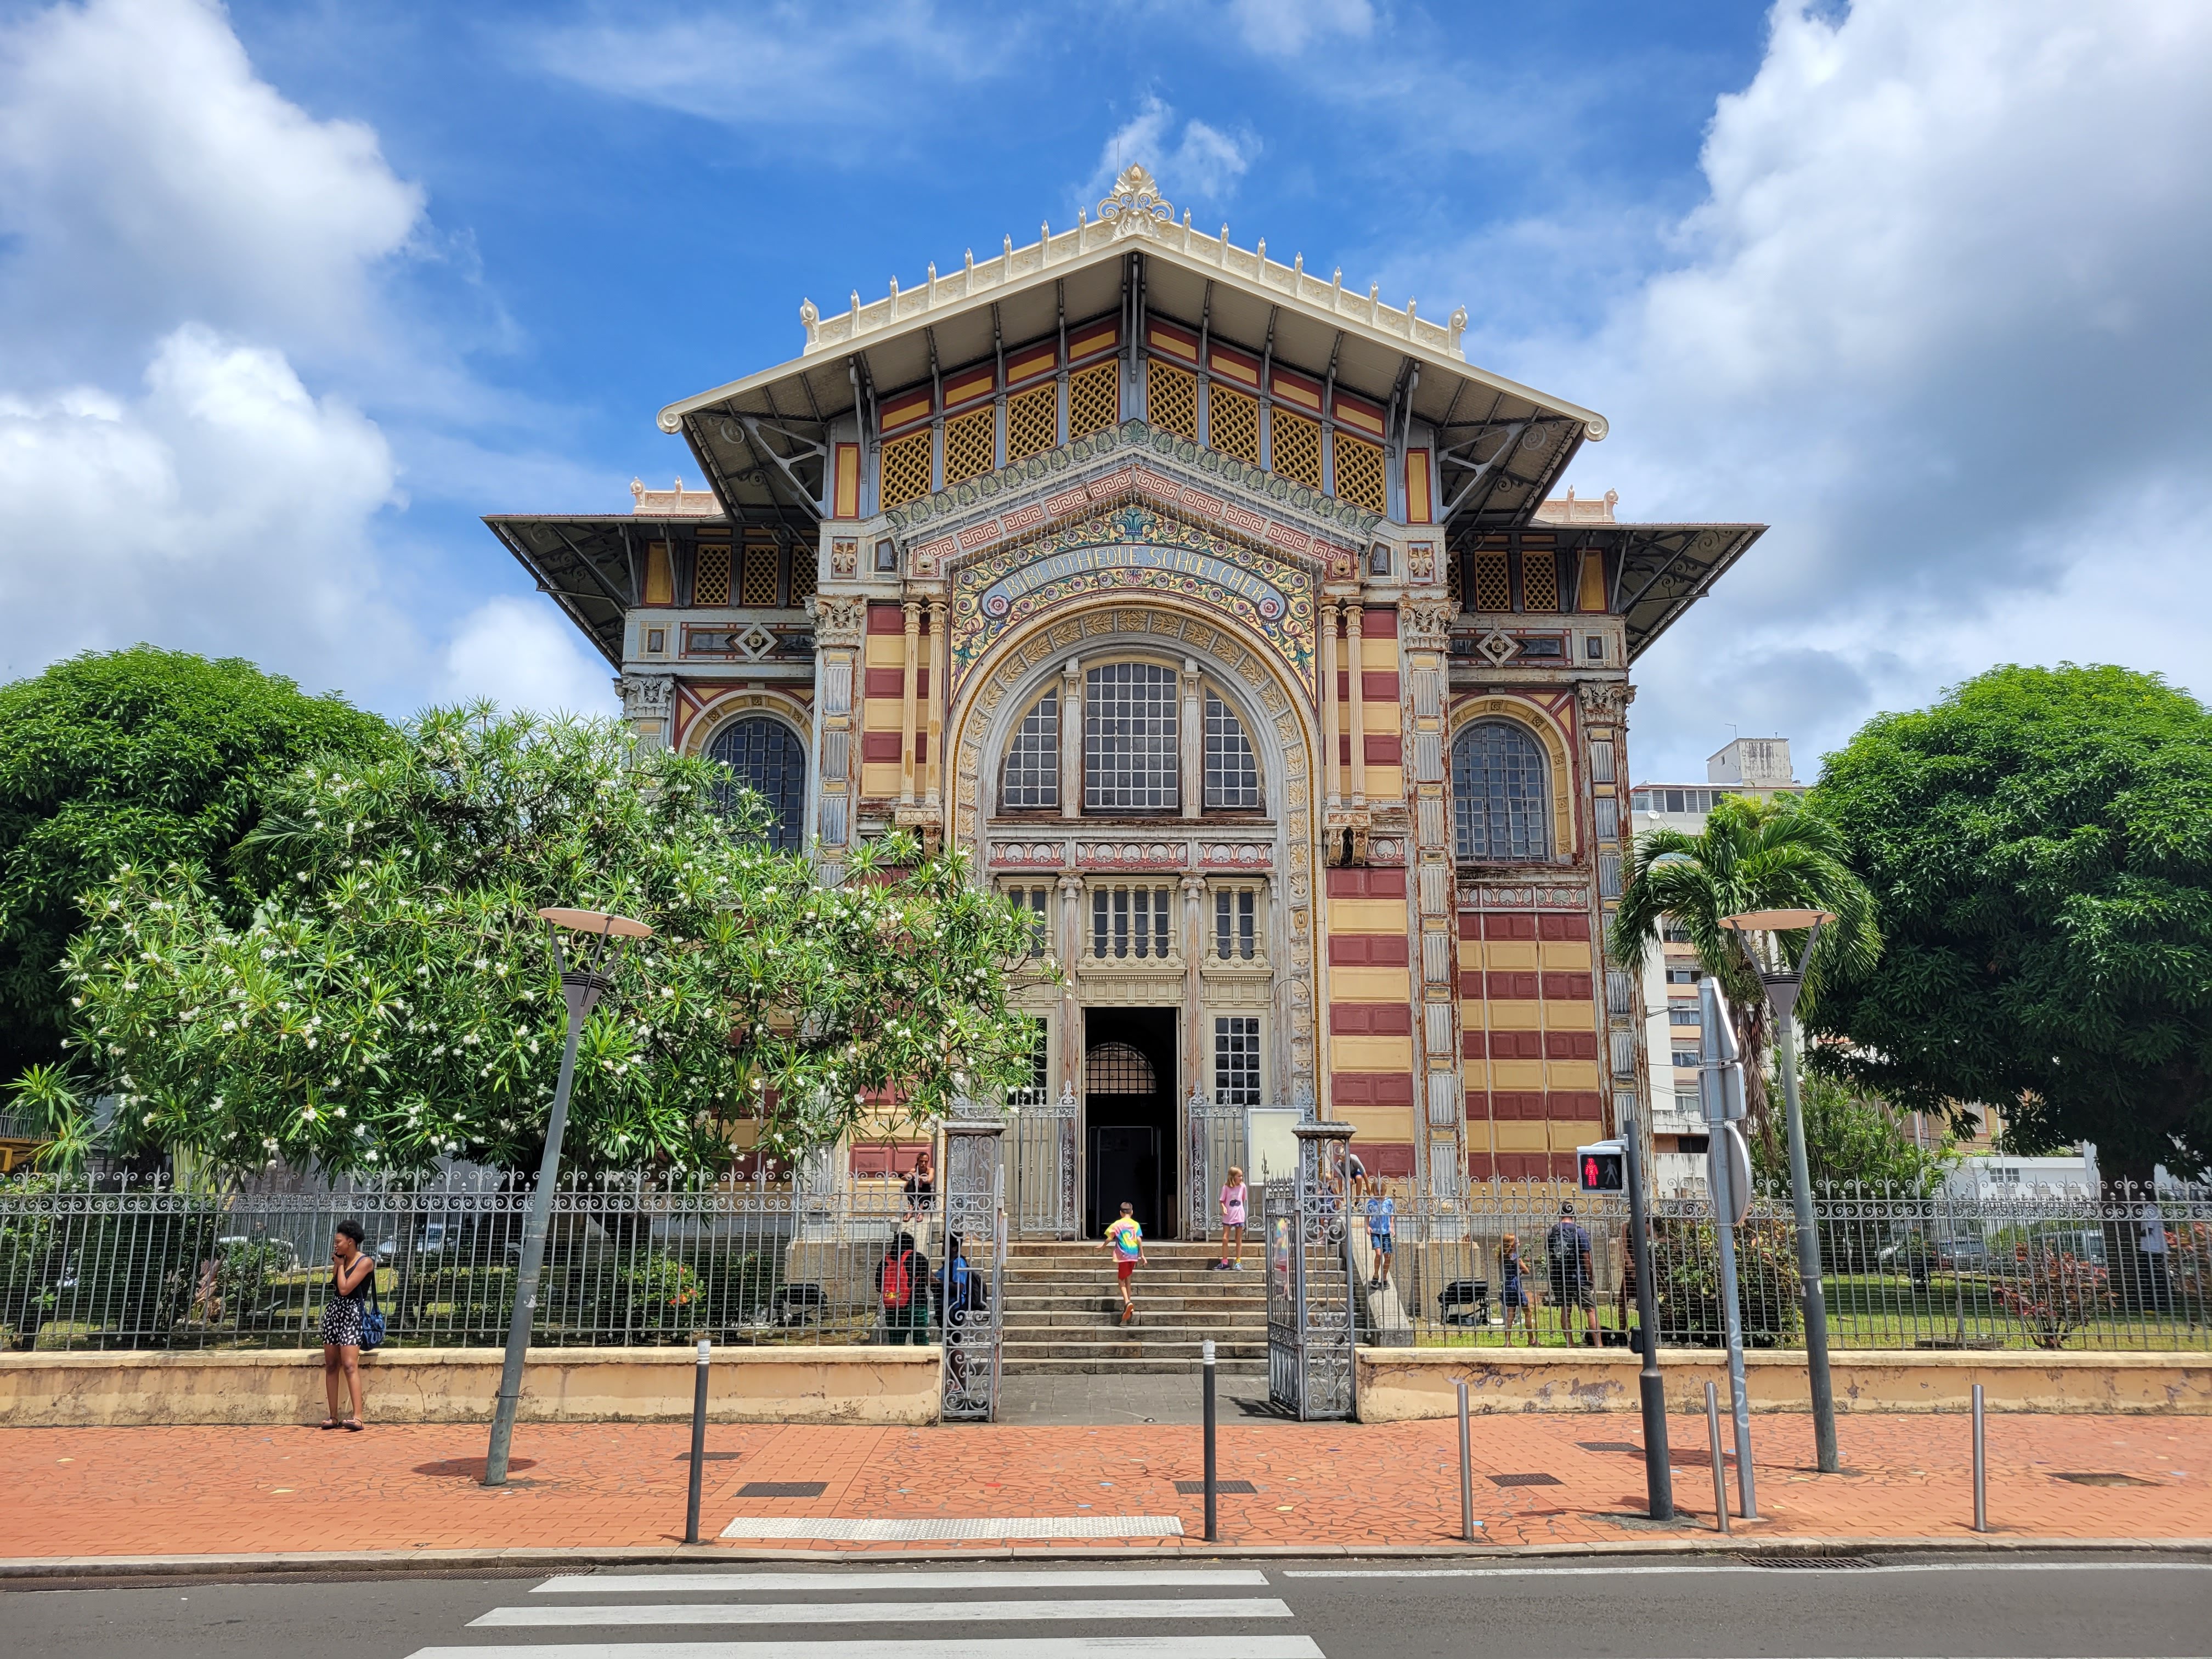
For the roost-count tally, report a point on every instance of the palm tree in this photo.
(1752, 855)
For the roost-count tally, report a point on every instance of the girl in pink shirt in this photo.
(1232, 1221)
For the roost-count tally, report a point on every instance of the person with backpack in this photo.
(959, 1287)
(345, 1325)
(903, 1282)
(1567, 1248)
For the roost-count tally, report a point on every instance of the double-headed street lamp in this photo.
(581, 987)
(1784, 981)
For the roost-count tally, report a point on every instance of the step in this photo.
(1139, 1367)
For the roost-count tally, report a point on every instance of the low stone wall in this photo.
(866, 1385)
(1399, 1384)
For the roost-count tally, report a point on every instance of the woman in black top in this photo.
(920, 1188)
(351, 1269)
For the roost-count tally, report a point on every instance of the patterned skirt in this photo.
(341, 1322)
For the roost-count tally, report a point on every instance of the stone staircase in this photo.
(1063, 1313)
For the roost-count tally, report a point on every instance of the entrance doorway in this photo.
(1129, 1116)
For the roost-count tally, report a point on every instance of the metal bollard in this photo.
(1466, 1473)
(698, 1443)
(1981, 1465)
(1719, 1474)
(1212, 1528)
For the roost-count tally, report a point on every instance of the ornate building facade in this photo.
(1220, 614)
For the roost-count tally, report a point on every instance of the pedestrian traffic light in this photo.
(1602, 1167)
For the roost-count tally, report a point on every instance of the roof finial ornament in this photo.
(1136, 198)
(810, 318)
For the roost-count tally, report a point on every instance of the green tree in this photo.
(1853, 1136)
(140, 757)
(2040, 843)
(1751, 855)
(395, 999)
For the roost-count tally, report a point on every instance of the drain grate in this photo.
(1525, 1480)
(1609, 1445)
(1811, 1563)
(783, 1489)
(1197, 1488)
(2099, 1478)
(710, 1457)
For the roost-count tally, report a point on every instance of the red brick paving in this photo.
(212, 1490)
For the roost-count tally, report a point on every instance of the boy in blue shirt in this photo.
(1381, 1223)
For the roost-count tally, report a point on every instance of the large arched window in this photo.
(1499, 803)
(765, 754)
(1032, 775)
(1233, 776)
(1130, 760)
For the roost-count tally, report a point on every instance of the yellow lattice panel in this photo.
(971, 443)
(1295, 442)
(1359, 472)
(906, 469)
(1493, 587)
(757, 586)
(1539, 581)
(1094, 399)
(1232, 423)
(710, 577)
(804, 558)
(1455, 581)
(1171, 399)
(1032, 422)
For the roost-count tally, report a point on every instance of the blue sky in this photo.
(291, 294)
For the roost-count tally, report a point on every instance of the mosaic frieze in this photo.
(1135, 552)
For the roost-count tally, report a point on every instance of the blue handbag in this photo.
(372, 1322)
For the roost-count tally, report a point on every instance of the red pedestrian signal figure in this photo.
(1602, 1167)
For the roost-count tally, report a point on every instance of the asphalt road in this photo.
(1902, 1606)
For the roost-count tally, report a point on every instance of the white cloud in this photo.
(788, 70)
(193, 301)
(524, 653)
(1204, 161)
(1283, 28)
(1940, 322)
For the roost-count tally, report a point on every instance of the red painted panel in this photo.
(1366, 884)
(1570, 1045)
(1381, 622)
(1515, 927)
(1369, 950)
(877, 1158)
(1567, 988)
(1387, 1157)
(1470, 924)
(1376, 685)
(886, 619)
(1479, 1166)
(1371, 1088)
(1555, 925)
(891, 683)
(1371, 1018)
(1508, 987)
(1573, 1105)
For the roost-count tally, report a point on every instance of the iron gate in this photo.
(1213, 1143)
(974, 1214)
(1310, 1291)
(1041, 1171)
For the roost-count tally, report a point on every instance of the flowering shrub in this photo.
(398, 1000)
(2053, 1293)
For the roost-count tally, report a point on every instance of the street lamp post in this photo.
(1784, 981)
(581, 987)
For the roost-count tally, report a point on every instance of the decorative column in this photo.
(912, 608)
(1071, 994)
(1354, 615)
(1191, 746)
(649, 707)
(840, 621)
(936, 745)
(1071, 741)
(1332, 767)
(1424, 627)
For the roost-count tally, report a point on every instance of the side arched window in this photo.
(1233, 776)
(1500, 806)
(1032, 774)
(766, 755)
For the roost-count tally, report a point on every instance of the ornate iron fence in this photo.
(628, 1263)
(1040, 1165)
(1311, 1313)
(2016, 1268)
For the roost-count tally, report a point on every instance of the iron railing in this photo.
(2031, 1269)
(627, 1263)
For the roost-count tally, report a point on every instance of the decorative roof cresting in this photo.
(1135, 208)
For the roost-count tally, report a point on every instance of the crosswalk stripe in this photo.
(917, 1529)
(1017, 1647)
(1124, 1610)
(737, 1580)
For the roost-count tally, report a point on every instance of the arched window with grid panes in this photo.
(1131, 762)
(1501, 801)
(1232, 774)
(1031, 778)
(767, 756)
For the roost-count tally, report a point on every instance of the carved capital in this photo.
(840, 619)
(647, 696)
(1605, 699)
(1427, 623)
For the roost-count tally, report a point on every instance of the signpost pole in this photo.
(1658, 1476)
(1720, 1077)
